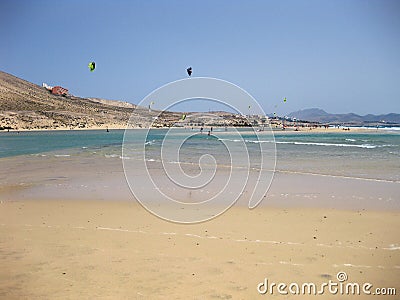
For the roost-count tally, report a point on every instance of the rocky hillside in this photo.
(24, 105)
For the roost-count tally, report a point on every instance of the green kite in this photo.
(92, 66)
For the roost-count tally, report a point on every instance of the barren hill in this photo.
(24, 105)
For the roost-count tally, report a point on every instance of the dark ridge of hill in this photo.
(321, 116)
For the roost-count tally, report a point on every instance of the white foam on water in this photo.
(152, 142)
(364, 146)
(230, 140)
(390, 128)
(257, 141)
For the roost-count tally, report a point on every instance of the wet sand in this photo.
(87, 177)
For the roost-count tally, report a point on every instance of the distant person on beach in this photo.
(201, 129)
(209, 132)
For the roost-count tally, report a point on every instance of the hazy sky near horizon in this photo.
(341, 56)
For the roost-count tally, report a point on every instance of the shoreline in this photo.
(274, 129)
(53, 177)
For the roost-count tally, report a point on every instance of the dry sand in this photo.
(117, 250)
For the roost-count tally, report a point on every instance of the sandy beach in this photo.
(117, 250)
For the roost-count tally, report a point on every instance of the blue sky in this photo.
(341, 56)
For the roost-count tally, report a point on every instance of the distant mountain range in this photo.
(321, 116)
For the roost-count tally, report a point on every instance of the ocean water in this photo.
(374, 155)
(365, 155)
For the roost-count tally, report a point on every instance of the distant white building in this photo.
(46, 86)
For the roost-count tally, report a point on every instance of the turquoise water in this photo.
(367, 155)
(35, 142)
